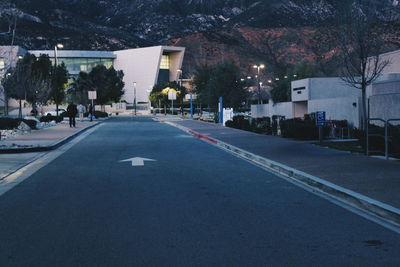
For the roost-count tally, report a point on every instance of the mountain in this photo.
(244, 31)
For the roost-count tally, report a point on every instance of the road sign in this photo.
(320, 119)
(171, 95)
(137, 161)
(92, 95)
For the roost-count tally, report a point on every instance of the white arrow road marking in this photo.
(137, 161)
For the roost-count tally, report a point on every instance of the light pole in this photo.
(180, 85)
(60, 46)
(258, 67)
(134, 96)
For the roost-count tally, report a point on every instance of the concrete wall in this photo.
(385, 106)
(338, 108)
(300, 90)
(300, 109)
(268, 110)
(394, 58)
(324, 88)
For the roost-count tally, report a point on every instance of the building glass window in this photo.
(164, 64)
(84, 64)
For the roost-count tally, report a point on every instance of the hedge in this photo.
(97, 114)
(10, 123)
(51, 118)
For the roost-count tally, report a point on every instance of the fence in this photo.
(385, 136)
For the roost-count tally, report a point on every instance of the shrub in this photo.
(31, 123)
(261, 125)
(51, 118)
(303, 129)
(10, 123)
(97, 114)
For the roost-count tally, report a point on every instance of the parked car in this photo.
(54, 112)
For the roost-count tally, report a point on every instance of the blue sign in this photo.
(320, 119)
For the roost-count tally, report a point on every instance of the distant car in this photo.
(54, 112)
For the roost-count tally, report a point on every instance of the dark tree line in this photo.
(108, 83)
(221, 80)
(35, 80)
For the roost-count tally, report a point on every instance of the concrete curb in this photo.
(46, 148)
(382, 211)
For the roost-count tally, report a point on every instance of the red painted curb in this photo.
(204, 137)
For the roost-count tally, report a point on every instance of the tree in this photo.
(39, 87)
(17, 83)
(107, 82)
(361, 42)
(30, 80)
(281, 89)
(221, 80)
(59, 82)
(159, 93)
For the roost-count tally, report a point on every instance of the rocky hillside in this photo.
(275, 31)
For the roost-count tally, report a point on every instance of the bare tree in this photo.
(361, 42)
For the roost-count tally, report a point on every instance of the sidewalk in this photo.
(374, 183)
(44, 139)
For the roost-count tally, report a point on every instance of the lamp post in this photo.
(180, 84)
(258, 67)
(134, 96)
(60, 46)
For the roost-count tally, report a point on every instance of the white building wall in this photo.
(345, 108)
(259, 111)
(271, 109)
(385, 106)
(324, 88)
(300, 90)
(394, 58)
(140, 65)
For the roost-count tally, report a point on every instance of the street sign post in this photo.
(320, 121)
(172, 97)
(92, 95)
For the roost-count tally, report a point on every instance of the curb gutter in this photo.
(373, 207)
(45, 148)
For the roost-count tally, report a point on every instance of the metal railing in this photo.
(386, 136)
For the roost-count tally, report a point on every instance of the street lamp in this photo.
(258, 67)
(134, 96)
(179, 71)
(59, 46)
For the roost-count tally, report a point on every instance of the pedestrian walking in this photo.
(91, 112)
(81, 111)
(72, 111)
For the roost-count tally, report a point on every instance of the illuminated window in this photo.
(164, 65)
(2, 64)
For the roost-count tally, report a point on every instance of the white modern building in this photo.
(384, 94)
(145, 67)
(142, 67)
(339, 100)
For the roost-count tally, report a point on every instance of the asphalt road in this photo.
(196, 205)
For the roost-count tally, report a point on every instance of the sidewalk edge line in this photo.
(356, 200)
(49, 147)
